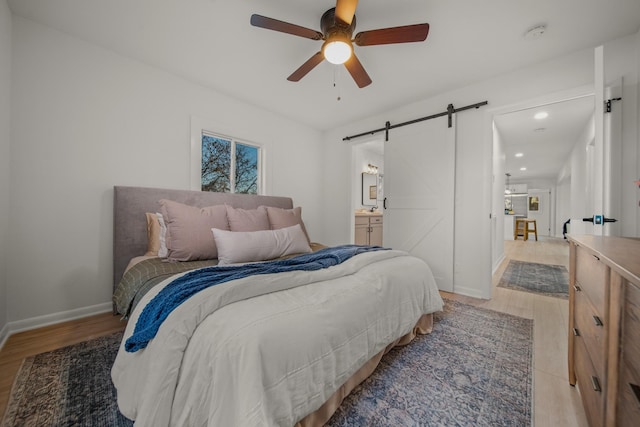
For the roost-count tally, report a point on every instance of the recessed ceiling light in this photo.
(519, 154)
(541, 115)
(523, 169)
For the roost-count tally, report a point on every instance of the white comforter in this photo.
(272, 359)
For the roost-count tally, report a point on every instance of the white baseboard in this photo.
(51, 319)
(4, 334)
(470, 292)
(497, 264)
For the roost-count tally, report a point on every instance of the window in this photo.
(229, 165)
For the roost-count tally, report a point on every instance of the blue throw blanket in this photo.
(182, 288)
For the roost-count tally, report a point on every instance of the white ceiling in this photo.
(211, 42)
(545, 144)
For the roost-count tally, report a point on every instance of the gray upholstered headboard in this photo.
(131, 203)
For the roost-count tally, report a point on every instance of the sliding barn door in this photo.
(419, 162)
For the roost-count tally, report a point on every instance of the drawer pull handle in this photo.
(596, 257)
(597, 320)
(576, 333)
(595, 384)
(636, 391)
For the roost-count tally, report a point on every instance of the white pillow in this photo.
(162, 252)
(249, 246)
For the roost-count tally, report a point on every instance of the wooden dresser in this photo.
(604, 327)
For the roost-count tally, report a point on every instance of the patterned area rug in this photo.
(545, 279)
(70, 386)
(474, 369)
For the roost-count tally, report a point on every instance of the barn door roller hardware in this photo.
(388, 126)
(608, 102)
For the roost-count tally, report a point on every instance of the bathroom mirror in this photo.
(369, 189)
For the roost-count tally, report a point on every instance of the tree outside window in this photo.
(224, 158)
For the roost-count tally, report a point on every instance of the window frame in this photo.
(199, 128)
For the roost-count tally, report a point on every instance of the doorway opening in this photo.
(367, 191)
(536, 144)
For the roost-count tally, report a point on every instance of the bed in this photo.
(281, 345)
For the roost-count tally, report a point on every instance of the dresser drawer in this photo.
(592, 277)
(362, 220)
(591, 386)
(631, 323)
(628, 411)
(591, 328)
(376, 220)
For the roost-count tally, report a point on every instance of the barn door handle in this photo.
(599, 219)
(384, 203)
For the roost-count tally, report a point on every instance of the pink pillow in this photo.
(189, 230)
(251, 246)
(281, 218)
(248, 219)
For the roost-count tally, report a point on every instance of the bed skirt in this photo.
(319, 417)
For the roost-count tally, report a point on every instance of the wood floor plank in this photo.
(550, 338)
(556, 403)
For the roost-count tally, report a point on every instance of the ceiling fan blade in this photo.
(306, 67)
(357, 71)
(404, 34)
(345, 9)
(284, 27)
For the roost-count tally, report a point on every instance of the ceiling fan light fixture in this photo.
(338, 25)
(337, 51)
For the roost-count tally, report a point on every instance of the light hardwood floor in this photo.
(556, 403)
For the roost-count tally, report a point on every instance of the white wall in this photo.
(499, 182)
(85, 119)
(563, 207)
(637, 121)
(621, 60)
(5, 134)
(580, 183)
(636, 200)
(473, 205)
(563, 197)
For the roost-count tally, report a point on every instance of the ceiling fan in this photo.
(337, 25)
